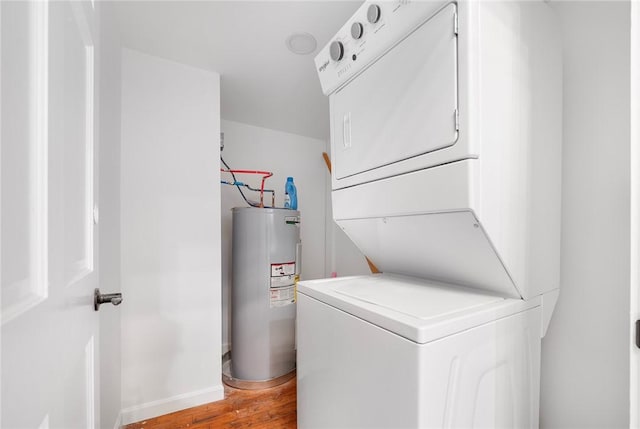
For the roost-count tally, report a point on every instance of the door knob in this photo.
(104, 298)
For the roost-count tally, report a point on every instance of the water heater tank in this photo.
(266, 267)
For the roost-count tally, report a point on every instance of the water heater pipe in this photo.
(265, 175)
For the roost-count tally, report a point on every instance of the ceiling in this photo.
(262, 82)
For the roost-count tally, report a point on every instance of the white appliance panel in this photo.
(416, 309)
(451, 247)
(483, 377)
(344, 380)
(443, 188)
(505, 164)
(396, 20)
(487, 377)
(446, 143)
(404, 105)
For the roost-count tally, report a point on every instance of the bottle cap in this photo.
(289, 179)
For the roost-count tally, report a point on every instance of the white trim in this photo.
(1, 307)
(634, 251)
(169, 405)
(41, 164)
(118, 423)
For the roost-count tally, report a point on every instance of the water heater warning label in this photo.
(282, 286)
(283, 281)
(282, 296)
(286, 269)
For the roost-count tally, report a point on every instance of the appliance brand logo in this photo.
(323, 66)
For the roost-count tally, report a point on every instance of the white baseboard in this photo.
(170, 405)
(118, 423)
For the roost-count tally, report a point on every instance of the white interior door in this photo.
(634, 387)
(49, 327)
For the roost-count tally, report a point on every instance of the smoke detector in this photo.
(301, 43)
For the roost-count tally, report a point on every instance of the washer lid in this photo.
(414, 298)
(417, 309)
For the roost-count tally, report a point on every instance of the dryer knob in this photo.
(336, 51)
(357, 30)
(373, 13)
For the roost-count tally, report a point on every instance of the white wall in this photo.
(585, 355)
(255, 148)
(109, 205)
(170, 236)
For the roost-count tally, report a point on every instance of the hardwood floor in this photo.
(259, 409)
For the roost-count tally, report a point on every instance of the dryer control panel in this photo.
(374, 29)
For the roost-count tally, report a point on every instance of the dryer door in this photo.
(402, 106)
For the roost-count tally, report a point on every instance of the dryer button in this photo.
(373, 13)
(336, 51)
(357, 30)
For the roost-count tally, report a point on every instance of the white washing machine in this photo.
(446, 146)
(391, 352)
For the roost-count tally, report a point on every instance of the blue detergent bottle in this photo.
(290, 195)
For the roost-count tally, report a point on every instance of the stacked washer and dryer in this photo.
(446, 152)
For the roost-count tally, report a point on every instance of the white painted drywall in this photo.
(585, 355)
(255, 148)
(109, 214)
(170, 236)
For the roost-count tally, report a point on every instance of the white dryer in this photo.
(446, 146)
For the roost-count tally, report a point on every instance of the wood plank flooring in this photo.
(273, 408)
